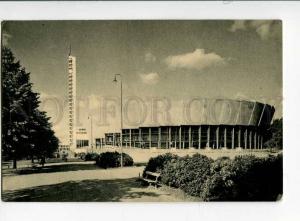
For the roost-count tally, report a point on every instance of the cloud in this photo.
(197, 59)
(264, 28)
(149, 58)
(150, 78)
(238, 25)
(5, 38)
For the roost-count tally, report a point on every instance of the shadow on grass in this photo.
(82, 191)
(51, 169)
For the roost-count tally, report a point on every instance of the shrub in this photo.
(156, 164)
(80, 155)
(246, 178)
(219, 185)
(113, 159)
(91, 156)
(187, 173)
(172, 172)
(127, 160)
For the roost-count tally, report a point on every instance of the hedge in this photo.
(245, 178)
(187, 173)
(113, 159)
(91, 156)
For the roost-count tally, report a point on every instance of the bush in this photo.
(156, 164)
(80, 155)
(187, 173)
(219, 185)
(113, 159)
(91, 156)
(246, 178)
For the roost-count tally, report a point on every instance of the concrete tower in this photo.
(72, 100)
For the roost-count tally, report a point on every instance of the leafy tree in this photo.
(26, 130)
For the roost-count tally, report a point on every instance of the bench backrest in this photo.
(153, 174)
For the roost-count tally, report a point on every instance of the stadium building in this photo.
(224, 123)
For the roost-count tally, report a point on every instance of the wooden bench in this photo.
(152, 178)
(6, 164)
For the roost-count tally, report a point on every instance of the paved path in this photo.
(111, 185)
(26, 181)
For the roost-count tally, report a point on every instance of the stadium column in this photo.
(170, 137)
(114, 140)
(159, 137)
(246, 138)
(255, 135)
(232, 138)
(225, 137)
(208, 136)
(199, 137)
(150, 139)
(180, 137)
(175, 137)
(239, 137)
(190, 136)
(140, 137)
(130, 138)
(261, 142)
(258, 141)
(250, 139)
(217, 137)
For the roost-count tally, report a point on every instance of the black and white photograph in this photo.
(141, 110)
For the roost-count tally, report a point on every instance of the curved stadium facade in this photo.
(224, 123)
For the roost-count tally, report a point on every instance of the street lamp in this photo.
(121, 123)
(91, 118)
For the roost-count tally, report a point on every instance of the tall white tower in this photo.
(72, 100)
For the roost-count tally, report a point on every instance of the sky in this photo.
(162, 64)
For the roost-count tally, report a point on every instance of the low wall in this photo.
(143, 155)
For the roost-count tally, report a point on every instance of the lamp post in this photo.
(121, 110)
(91, 118)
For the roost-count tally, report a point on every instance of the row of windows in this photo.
(82, 143)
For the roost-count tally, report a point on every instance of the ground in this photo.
(77, 180)
(117, 185)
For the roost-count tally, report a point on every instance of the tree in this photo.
(26, 130)
(275, 135)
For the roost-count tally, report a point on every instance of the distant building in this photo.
(63, 149)
(100, 142)
(112, 139)
(82, 139)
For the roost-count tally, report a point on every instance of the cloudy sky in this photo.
(169, 62)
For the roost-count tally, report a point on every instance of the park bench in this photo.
(152, 178)
(6, 164)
